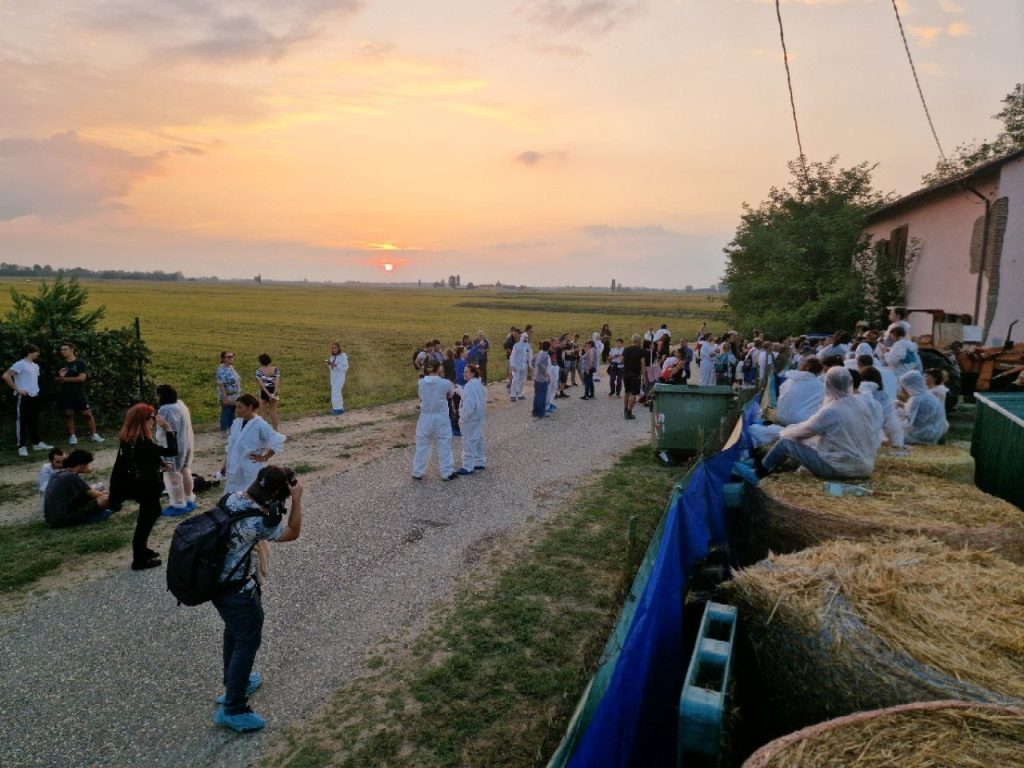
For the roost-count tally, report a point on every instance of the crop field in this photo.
(186, 325)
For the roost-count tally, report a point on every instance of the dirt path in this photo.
(109, 671)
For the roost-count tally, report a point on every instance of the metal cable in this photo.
(917, 82)
(789, 84)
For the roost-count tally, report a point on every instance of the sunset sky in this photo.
(544, 142)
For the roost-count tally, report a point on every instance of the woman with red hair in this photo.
(137, 475)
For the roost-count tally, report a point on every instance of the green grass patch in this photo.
(961, 423)
(494, 682)
(304, 468)
(17, 491)
(30, 551)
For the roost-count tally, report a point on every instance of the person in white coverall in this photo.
(471, 416)
(922, 417)
(902, 355)
(520, 362)
(251, 444)
(706, 350)
(178, 476)
(871, 386)
(338, 365)
(801, 394)
(840, 441)
(434, 427)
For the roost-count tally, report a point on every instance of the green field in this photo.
(186, 325)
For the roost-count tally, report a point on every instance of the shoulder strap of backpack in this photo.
(234, 518)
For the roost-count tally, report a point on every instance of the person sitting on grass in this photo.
(922, 416)
(69, 500)
(54, 465)
(840, 441)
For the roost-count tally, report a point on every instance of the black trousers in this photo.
(26, 424)
(149, 512)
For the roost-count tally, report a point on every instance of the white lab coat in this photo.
(434, 427)
(471, 422)
(245, 438)
(339, 369)
(902, 357)
(707, 363)
(800, 397)
(844, 431)
(923, 417)
(519, 360)
(891, 426)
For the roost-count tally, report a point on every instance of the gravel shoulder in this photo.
(109, 671)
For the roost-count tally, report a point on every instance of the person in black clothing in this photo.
(634, 370)
(69, 500)
(137, 475)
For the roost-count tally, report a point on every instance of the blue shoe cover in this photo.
(174, 511)
(242, 722)
(255, 681)
(464, 471)
(745, 473)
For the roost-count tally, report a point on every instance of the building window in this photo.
(896, 247)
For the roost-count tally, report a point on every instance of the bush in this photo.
(56, 315)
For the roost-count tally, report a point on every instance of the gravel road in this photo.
(112, 673)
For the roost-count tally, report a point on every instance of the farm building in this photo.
(965, 238)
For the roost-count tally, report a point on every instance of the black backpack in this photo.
(197, 554)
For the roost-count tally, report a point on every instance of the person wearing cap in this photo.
(239, 603)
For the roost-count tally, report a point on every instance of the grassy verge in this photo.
(16, 491)
(29, 551)
(495, 680)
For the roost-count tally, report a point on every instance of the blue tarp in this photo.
(634, 724)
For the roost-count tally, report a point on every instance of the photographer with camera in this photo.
(258, 514)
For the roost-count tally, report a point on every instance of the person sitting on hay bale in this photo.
(923, 417)
(871, 386)
(840, 441)
(801, 394)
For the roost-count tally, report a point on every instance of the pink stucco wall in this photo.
(1011, 272)
(940, 277)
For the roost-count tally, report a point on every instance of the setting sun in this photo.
(389, 267)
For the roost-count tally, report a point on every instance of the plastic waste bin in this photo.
(691, 419)
(998, 445)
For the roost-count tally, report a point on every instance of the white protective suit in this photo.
(844, 432)
(598, 348)
(800, 397)
(471, 422)
(178, 416)
(923, 417)
(519, 360)
(244, 439)
(338, 369)
(902, 358)
(434, 426)
(707, 363)
(890, 426)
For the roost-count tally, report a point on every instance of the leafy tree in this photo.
(792, 266)
(55, 312)
(1010, 139)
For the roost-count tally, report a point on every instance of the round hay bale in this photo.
(946, 461)
(793, 511)
(858, 625)
(950, 734)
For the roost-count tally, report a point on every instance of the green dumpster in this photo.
(691, 419)
(998, 445)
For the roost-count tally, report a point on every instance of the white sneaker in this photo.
(23, 451)
(95, 438)
(41, 446)
(73, 440)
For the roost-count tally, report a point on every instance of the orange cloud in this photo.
(926, 35)
(958, 29)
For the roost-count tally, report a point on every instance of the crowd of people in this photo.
(840, 399)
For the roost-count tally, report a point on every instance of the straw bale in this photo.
(793, 511)
(940, 734)
(949, 462)
(857, 625)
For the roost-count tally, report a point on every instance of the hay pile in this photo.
(946, 461)
(859, 625)
(947, 734)
(793, 511)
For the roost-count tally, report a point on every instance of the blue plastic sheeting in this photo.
(634, 724)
